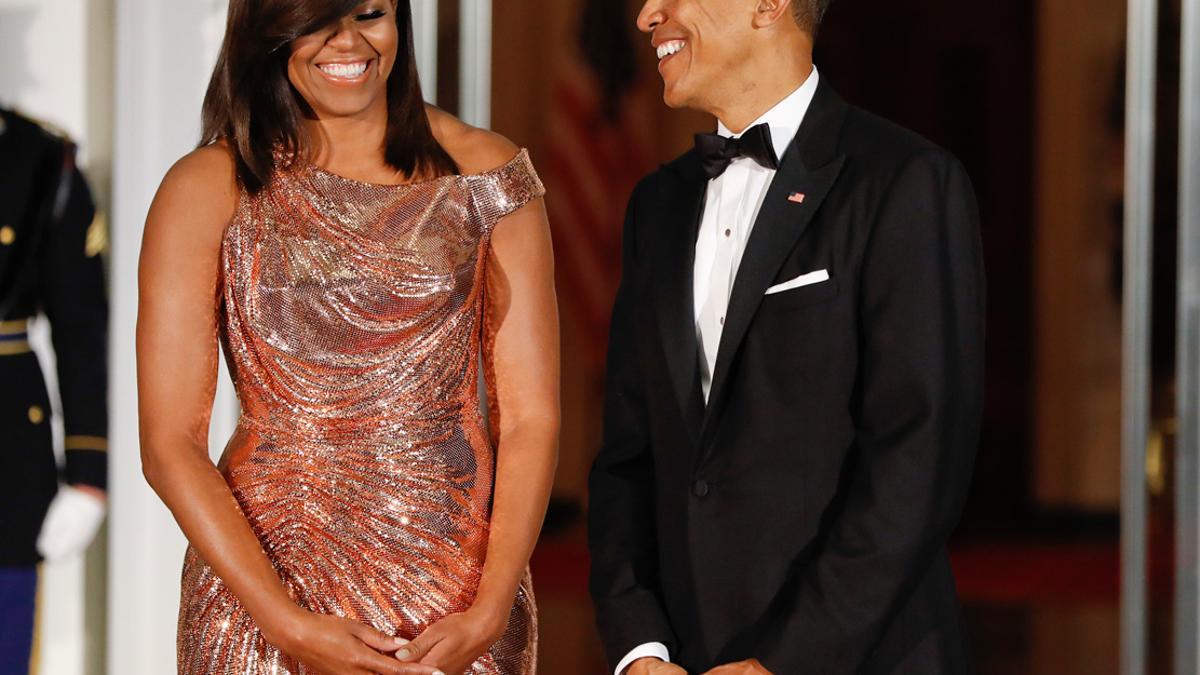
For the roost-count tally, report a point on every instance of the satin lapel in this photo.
(781, 222)
(678, 214)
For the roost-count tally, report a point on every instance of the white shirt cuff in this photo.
(650, 649)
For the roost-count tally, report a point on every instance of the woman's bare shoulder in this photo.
(475, 150)
(208, 171)
(200, 187)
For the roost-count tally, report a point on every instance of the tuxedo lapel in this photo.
(806, 174)
(678, 214)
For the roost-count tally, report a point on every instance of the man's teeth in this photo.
(668, 48)
(347, 70)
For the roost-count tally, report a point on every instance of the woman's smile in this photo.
(343, 73)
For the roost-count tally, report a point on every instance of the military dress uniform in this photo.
(50, 263)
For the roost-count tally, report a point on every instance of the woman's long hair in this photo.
(252, 105)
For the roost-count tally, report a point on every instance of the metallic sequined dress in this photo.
(352, 319)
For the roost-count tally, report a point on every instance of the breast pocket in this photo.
(803, 296)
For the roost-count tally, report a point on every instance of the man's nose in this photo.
(652, 16)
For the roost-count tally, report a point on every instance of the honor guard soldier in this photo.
(50, 263)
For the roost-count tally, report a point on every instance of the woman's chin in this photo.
(341, 108)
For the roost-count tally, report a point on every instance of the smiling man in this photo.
(794, 383)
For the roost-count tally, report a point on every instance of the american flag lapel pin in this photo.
(796, 198)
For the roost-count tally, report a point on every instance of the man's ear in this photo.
(769, 12)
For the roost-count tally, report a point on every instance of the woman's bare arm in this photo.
(177, 352)
(523, 355)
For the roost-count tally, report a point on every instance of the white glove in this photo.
(71, 523)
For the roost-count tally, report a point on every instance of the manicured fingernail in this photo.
(401, 641)
(438, 672)
(403, 654)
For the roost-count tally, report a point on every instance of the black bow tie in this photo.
(718, 152)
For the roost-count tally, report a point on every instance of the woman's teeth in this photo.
(347, 71)
(670, 47)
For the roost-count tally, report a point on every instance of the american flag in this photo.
(597, 151)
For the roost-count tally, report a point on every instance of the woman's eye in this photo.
(371, 16)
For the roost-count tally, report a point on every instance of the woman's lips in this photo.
(345, 72)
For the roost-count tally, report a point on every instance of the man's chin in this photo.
(673, 98)
(674, 105)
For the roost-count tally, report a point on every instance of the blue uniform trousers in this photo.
(18, 600)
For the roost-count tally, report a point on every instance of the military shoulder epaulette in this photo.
(51, 129)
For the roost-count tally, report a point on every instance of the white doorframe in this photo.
(162, 67)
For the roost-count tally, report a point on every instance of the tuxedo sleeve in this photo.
(624, 577)
(917, 417)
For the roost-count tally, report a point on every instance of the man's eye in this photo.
(371, 16)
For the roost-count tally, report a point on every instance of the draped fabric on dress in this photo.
(352, 317)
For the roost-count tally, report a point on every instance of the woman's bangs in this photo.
(296, 18)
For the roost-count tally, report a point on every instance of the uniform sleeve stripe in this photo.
(86, 443)
(14, 326)
(9, 348)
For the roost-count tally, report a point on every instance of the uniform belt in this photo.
(14, 337)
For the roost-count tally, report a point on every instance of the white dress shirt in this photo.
(731, 206)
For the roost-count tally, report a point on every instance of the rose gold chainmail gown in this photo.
(352, 319)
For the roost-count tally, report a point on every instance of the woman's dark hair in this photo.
(253, 107)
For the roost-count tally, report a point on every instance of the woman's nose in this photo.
(346, 35)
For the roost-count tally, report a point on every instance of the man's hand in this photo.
(750, 667)
(71, 522)
(653, 666)
(93, 491)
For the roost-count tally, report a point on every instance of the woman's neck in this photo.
(351, 146)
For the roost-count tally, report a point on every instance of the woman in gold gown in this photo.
(364, 261)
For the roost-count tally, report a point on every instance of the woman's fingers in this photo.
(417, 669)
(386, 665)
(417, 649)
(378, 639)
(440, 653)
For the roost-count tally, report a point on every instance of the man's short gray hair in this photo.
(809, 13)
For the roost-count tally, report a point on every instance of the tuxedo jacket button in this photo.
(700, 488)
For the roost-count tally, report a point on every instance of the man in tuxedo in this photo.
(794, 384)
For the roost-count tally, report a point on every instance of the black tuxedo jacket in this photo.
(801, 516)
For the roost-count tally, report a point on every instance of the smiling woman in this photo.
(346, 60)
(366, 516)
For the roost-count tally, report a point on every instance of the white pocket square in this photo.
(802, 280)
